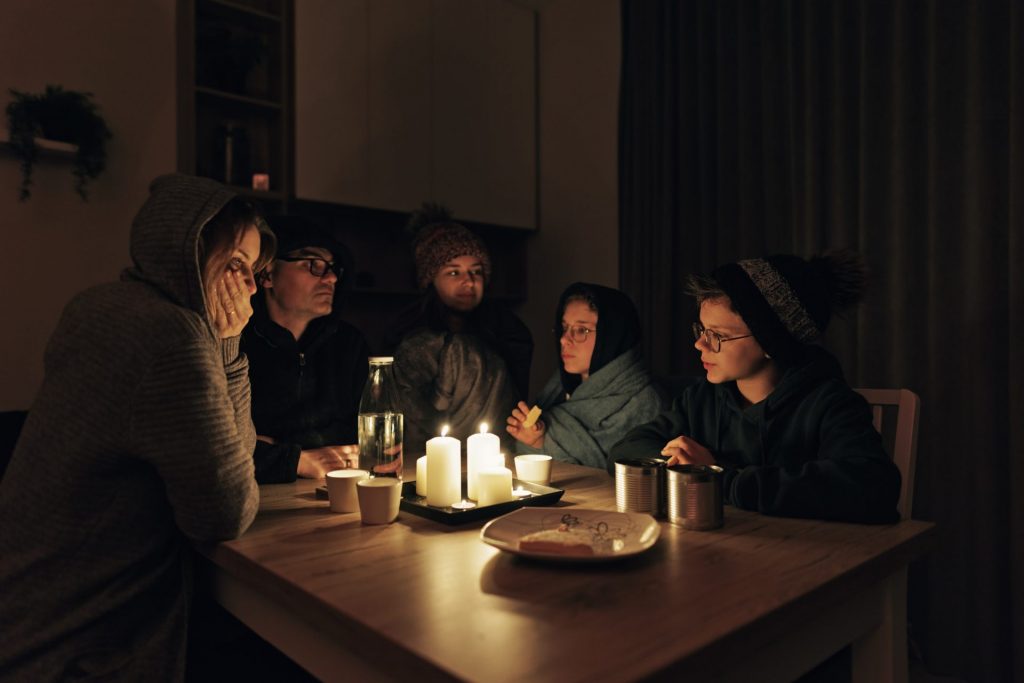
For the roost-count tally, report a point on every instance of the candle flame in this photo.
(483, 427)
(444, 430)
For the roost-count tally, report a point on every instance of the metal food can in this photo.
(695, 496)
(640, 485)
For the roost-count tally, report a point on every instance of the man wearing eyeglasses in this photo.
(307, 366)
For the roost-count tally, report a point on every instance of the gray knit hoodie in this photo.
(138, 443)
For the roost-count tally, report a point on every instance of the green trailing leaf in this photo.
(62, 115)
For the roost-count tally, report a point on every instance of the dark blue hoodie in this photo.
(808, 450)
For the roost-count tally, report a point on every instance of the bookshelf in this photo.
(236, 95)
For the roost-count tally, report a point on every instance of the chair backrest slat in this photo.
(902, 446)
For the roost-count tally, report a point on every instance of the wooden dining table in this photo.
(761, 598)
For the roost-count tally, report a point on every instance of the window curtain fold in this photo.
(893, 127)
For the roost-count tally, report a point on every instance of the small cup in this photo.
(341, 489)
(379, 499)
(535, 469)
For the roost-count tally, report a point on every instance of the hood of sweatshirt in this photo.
(818, 366)
(164, 243)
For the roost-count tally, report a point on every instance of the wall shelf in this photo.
(259, 195)
(239, 99)
(48, 149)
(264, 15)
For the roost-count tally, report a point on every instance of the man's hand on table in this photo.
(314, 463)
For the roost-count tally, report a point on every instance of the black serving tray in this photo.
(417, 505)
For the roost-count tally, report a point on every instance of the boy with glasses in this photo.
(774, 411)
(306, 365)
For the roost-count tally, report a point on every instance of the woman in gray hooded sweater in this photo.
(138, 444)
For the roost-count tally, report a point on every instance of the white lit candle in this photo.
(494, 485)
(490, 461)
(421, 476)
(444, 480)
(482, 450)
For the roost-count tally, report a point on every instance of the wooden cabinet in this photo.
(235, 94)
(402, 101)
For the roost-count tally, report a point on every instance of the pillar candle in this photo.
(421, 476)
(494, 485)
(489, 461)
(444, 472)
(481, 450)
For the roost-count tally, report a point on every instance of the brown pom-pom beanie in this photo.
(439, 243)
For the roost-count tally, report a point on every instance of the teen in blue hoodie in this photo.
(774, 411)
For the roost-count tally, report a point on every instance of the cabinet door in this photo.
(402, 101)
(398, 104)
(331, 86)
(484, 123)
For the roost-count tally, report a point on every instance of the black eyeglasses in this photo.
(577, 333)
(712, 338)
(318, 267)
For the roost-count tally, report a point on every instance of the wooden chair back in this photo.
(896, 413)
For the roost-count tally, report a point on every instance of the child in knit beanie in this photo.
(774, 412)
(460, 358)
(451, 263)
(439, 243)
(786, 301)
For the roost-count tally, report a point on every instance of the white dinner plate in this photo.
(614, 535)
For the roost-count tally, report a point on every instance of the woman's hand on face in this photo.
(230, 305)
(683, 450)
(531, 436)
(316, 462)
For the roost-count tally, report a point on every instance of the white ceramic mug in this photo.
(341, 489)
(379, 499)
(534, 468)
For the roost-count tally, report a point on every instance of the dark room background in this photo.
(893, 127)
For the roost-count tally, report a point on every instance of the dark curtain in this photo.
(894, 127)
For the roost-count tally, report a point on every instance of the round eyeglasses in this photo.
(712, 338)
(318, 267)
(577, 333)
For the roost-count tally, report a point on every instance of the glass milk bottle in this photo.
(380, 422)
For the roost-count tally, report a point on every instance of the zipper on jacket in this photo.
(298, 384)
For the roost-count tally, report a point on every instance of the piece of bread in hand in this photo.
(532, 416)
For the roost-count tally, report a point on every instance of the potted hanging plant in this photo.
(61, 115)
